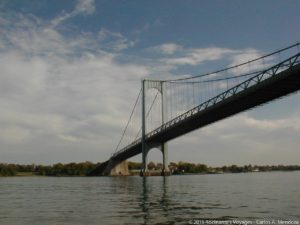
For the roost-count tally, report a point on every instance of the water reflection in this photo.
(144, 204)
(165, 197)
(155, 200)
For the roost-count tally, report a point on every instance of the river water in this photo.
(152, 200)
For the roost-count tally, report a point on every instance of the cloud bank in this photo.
(62, 90)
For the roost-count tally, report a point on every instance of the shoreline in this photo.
(134, 174)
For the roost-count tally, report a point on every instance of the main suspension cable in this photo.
(132, 111)
(218, 79)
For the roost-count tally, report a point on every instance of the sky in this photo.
(71, 70)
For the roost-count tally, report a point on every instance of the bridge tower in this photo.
(146, 147)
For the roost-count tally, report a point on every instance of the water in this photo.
(153, 200)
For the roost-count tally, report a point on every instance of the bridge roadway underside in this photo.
(284, 83)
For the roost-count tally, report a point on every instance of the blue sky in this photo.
(70, 72)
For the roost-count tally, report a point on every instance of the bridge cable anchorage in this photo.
(132, 111)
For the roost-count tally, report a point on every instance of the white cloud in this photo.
(79, 87)
(114, 41)
(247, 55)
(32, 36)
(68, 138)
(14, 135)
(246, 122)
(167, 48)
(292, 123)
(85, 7)
(196, 56)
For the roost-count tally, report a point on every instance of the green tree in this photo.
(151, 166)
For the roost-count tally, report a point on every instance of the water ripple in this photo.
(152, 200)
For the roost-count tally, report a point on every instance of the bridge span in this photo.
(257, 88)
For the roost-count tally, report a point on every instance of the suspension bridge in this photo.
(167, 109)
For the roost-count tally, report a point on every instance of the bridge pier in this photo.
(165, 170)
(121, 169)
(164, 150)
(116, 168)
(144, 170)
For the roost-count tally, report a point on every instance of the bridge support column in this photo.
(165, 170)
(144, 171)
(144, 147)
(163, 146)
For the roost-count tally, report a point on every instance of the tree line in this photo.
(191, 168)
(85, 168)
(59, 169)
